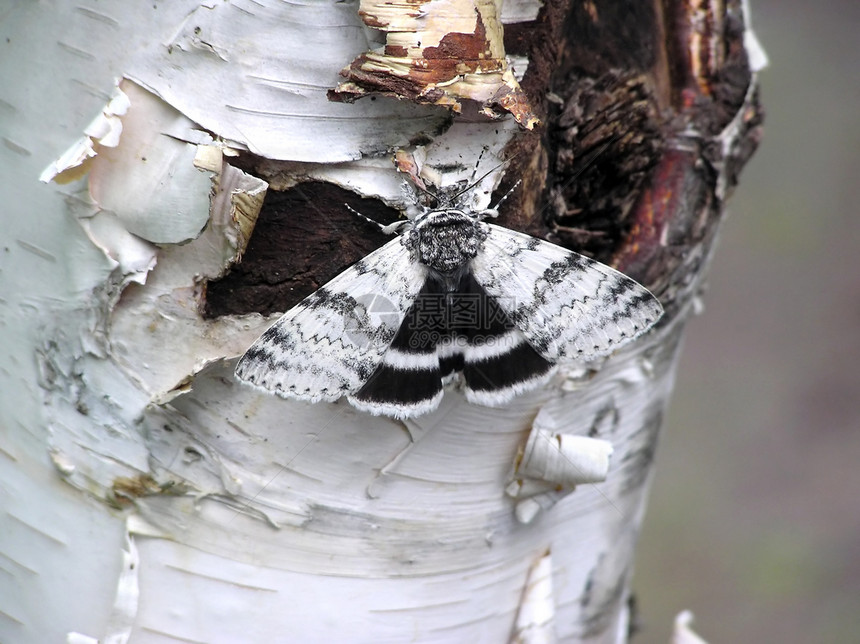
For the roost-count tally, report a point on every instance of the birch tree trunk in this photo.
(149, 497)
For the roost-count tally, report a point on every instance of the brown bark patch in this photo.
(304, 237)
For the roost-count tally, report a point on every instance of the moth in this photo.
(452, 296)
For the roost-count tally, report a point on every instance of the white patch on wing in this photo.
(493, 346)
(451, 346)
(496, 397)
(398, 410)
(410, 361)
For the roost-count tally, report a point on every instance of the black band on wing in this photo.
(438, 333)
(520, 365)
(451, 364)
(481, 319)
(406, 387)
(411, 381)
(425, 324)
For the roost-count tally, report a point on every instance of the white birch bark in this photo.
(147, 496)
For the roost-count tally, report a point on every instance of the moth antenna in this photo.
(485, 175)
(477, 165)
(506, 195)
(387, 229)
(430, 194)
(472, 185)
(493, 211)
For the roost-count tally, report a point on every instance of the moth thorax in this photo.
(446, 240)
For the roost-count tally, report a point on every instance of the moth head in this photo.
(446, 240)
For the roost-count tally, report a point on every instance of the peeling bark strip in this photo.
(438, 52)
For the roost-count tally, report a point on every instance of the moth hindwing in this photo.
(453, 295)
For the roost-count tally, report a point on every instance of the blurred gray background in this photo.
(754, 519)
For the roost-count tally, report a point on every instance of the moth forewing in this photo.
(329, 344)
(569, 307)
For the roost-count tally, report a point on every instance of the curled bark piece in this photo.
(439, 53)
(551, 465)
(564, 459)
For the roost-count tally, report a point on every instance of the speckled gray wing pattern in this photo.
(568, 306)
(330, 343)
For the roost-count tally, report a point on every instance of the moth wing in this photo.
(330, 343)
(568, 306)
